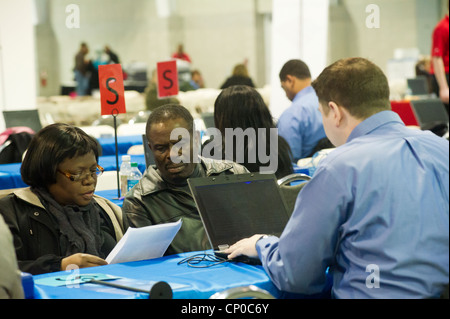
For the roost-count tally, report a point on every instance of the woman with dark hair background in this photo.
(58, 222)
(241, 106)
(239, 76)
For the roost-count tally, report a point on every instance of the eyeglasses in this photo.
(79, 177)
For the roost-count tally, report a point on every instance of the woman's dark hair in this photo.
(49, 148)
(241, 106)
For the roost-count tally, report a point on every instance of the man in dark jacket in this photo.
(163, 195)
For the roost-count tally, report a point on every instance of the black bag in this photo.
(16, 145)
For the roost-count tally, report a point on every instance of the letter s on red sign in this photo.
(167, 79)
(111, 89)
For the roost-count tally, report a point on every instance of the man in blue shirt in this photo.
(377, 209)
(301, 124)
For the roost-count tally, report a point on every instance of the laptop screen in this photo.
(28, 118)
(234, 207)
(418, 85)
(430, 113)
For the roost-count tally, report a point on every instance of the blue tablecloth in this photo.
(186, 282)
(10, 176)
(7, 181)
(10, 173)
(123, 144)
(301, 170)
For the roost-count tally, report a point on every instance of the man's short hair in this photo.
(356, 84)
(169, 112)
(297, 68)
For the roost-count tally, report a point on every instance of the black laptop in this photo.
(418, 85)
(431, 115)
(233, 207)
(28, 118)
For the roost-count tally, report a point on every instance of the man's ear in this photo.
(336, 113)
(290, 79)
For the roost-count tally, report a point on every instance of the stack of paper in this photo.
(144, 243)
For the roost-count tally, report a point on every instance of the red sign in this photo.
(167, 79)
(111, 89)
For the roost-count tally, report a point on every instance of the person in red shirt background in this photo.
(180, 54)
(440, 59)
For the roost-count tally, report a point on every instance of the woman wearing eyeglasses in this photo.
(58, 223)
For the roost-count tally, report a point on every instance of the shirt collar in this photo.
(305, 91)
(373, 122)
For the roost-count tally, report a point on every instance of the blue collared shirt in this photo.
(376, 212)
(301, 124)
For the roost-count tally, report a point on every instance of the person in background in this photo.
(163, 194)
(423, 68)
(197, 80)
(239, 76)
(58, 222)
(10, 279)
(151, 95)
(440, 59)
(180, 54)
(376, 211)
(113, 58)
(82, 70)
(301, 124)
(241, 106)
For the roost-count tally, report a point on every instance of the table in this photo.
(405, 111)
(10, 176)
(186, 282)
(123, 144)
(7, 181)
(10, 173)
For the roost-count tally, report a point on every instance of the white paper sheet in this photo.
(144, 243)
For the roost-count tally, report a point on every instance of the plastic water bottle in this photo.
(124, 173)
(134, 177)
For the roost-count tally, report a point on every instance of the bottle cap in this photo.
(126, 158)
(134, 164)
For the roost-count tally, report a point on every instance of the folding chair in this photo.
(290, 187)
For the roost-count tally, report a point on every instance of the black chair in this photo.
(444, 294)
(290, 192)
(13, 149)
